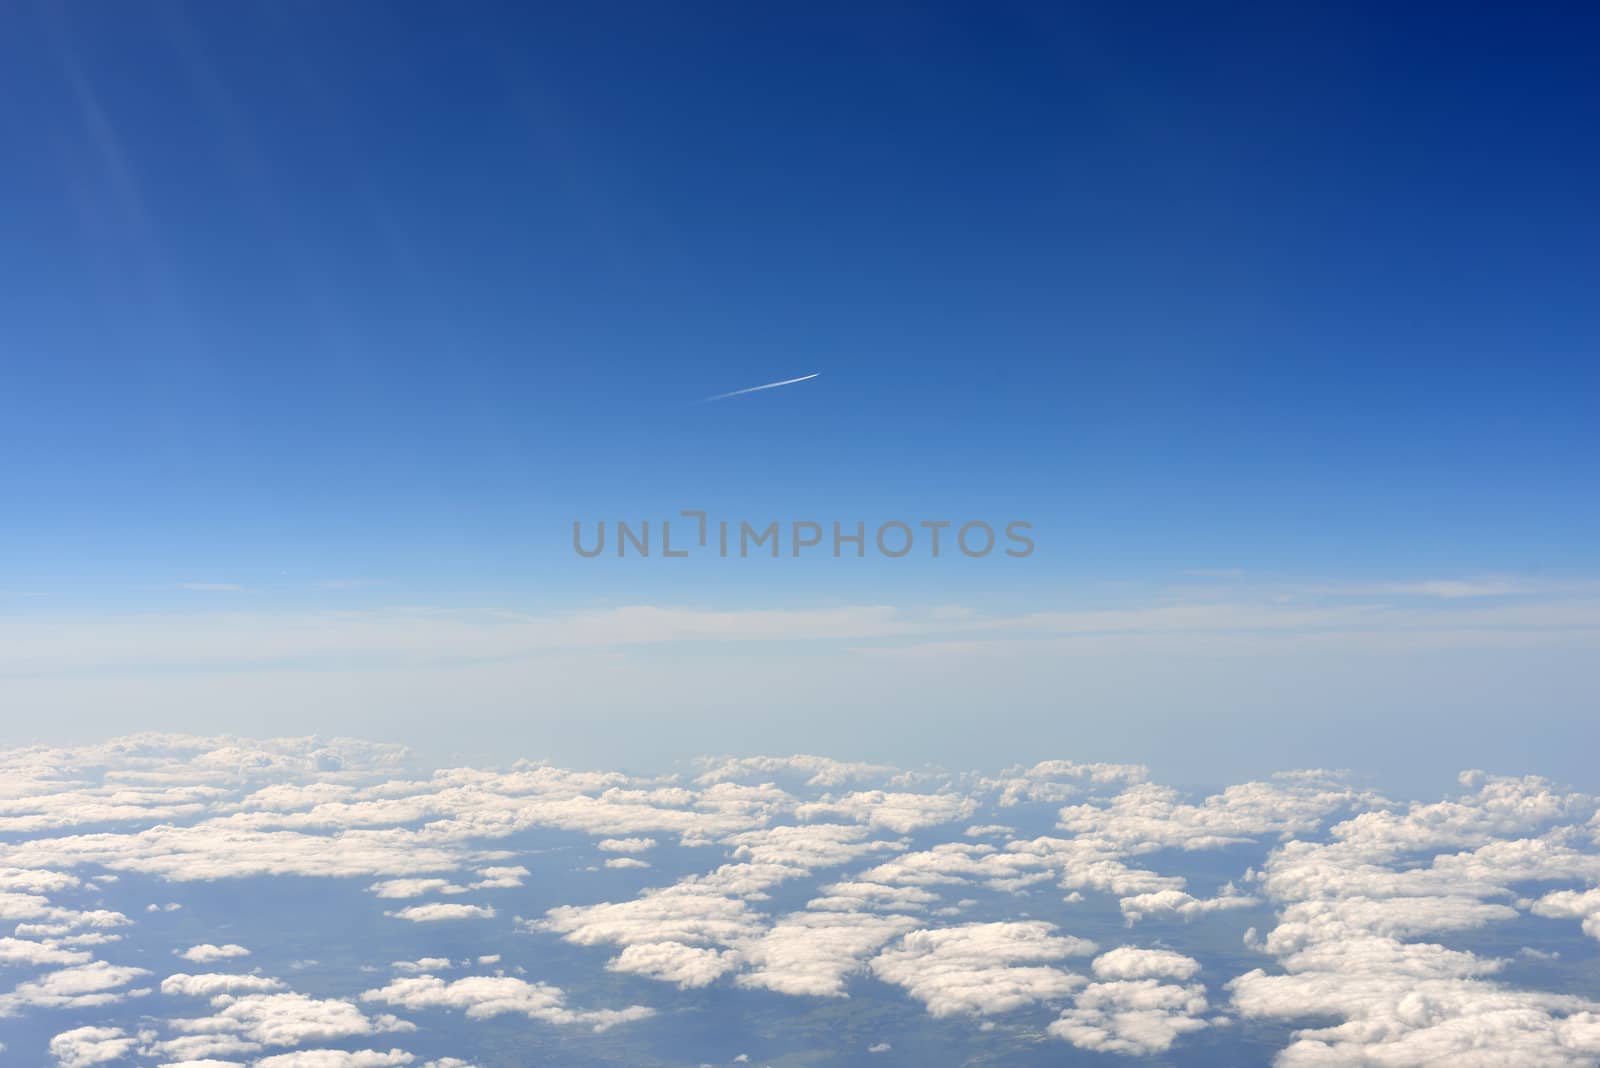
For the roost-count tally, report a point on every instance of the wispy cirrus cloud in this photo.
(1455, 588)
(1432, 613)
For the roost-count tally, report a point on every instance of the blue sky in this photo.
(313, 311)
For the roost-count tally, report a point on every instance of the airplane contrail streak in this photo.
(757, 389)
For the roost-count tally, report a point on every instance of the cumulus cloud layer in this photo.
(1083, 902)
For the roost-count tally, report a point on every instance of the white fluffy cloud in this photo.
(211, 984)
(336, 1058)
(1178, 903)
(1130, 962)
(1348, 908)
(207, 953)
(806, 877)
(85, 1046)
(898, 812)
(1138, 1017)
(480, 997)
(674, 962)
(626, 845)
(288, 1019)
(21, 951)
(1574, 904)
(982, 968)
(82, 987)
(813, 953)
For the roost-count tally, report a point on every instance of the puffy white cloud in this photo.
(1405, 1020)
(1348, 905)
(675, 962)
(808, 847)
(1147, 817)
(690, 912)
(1309, 922)
(336, 1058)
(207, 814)
(36, 881)
(85, 1046)
(1583, 905)
(503, 877)
(816, 770)
(81, 987)
(423, 965)
(1138, 1017)
(626, 845)
(1362, 892)
(898, 812)
(1500, 807)
(54, 921)
(211, 984)
(854, 895)
(480, 997)
(812, 953)
(982, 968)
(1177, 903)
(1054, 781)
(288, 1019)
(213, 849)
(201, 1047)
(20, 951)
(206, 952)
(153, 778)
(957, 863)
(1130, 962)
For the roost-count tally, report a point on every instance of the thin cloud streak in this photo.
(758, 389)
(190, 641)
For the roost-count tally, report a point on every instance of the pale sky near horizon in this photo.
(321, 329)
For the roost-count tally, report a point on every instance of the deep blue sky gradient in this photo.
(400, 290)
(321, 322)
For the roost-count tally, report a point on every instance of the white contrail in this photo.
(757, 389)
